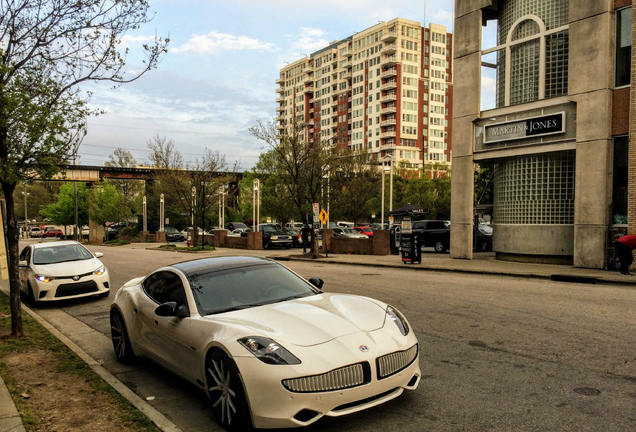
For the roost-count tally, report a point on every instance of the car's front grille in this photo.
(342, 378)
(67, 290)
(393, 363)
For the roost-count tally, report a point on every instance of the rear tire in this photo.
(226, 392)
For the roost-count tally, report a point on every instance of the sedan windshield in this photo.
(245, 287)
(57, 254)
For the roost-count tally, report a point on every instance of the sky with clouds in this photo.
(218, 77)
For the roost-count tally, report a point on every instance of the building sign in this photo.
(526, 128)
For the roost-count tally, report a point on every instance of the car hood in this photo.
(69, 268)
(308, 321)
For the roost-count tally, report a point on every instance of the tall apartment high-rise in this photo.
(386, 90)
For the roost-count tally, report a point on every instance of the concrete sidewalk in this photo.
(483, 263)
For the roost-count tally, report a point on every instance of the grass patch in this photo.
(117, 242)
(37, 339)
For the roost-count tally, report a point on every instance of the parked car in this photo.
(187, 233)
(61, 270)
(52, 232)
(274, 236)
(35, 232)
(366, 230)
(433, 233)
(173, 234)
(232, 226)
(348, 233)
(293, 225)
(267, 347)
(297, 238)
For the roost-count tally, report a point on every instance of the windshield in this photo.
(57, 254)
(246, 287)
(349, 231)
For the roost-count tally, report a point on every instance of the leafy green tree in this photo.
(107, 204)
(62, 212)
(354, 187)
(47, 49)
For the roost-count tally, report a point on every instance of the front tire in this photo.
(119, 336)
(226, 392)
(440, 246)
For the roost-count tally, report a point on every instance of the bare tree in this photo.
(205, 177)
(302, 167)
(48, 48)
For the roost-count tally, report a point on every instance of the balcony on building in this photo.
(389, 36)
(389, 109)
(280, 99)
(391, 121)
(387, 85)
(389, 72)
(389, 97)
(280, 89)
(280, 81)
(308, 78)
(389, 48)
(388, 133)
(280, 108)
(389, 60)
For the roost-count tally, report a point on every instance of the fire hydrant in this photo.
(188, 243)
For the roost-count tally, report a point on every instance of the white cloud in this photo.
(307, 40)
(215, 42)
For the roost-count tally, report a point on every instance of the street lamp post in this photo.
(256, 207)
(194, 203)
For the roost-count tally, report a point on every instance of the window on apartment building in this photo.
(623, 46)
(619, 186)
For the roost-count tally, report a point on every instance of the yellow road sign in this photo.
(324, 216)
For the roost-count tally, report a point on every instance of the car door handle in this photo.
(156, 323)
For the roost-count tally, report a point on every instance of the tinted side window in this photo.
(165, 287)
(436, 225)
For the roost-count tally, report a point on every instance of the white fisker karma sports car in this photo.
(269, 348)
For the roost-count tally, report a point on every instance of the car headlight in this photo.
(45, 279)
(398, 319)
(274, 237)
(100, 271)
(268, 351)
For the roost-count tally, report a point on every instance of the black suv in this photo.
(273, 235)
(435, 233)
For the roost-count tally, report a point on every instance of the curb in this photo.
(11, 421)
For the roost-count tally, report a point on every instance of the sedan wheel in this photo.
(226, 392)
(121, 341)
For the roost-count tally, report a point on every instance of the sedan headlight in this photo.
(398, 319)
(268, 351)
(45, 279)
(100, 271)
(274, 237)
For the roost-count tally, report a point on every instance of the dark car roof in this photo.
(207, 265)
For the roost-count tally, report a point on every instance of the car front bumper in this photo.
(68, 288)
(274, 406)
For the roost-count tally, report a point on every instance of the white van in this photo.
(293, 225)
(345, 224)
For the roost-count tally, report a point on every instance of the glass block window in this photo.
(556, 64)
(519, 77)
(535, 190)
(524, 76)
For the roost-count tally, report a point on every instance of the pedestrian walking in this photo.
(304, 234)
(624, 245)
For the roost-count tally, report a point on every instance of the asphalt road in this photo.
(497, 353)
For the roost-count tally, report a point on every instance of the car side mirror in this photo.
(317, 282)
(22, 264)
(171, 309)
(98, 254)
